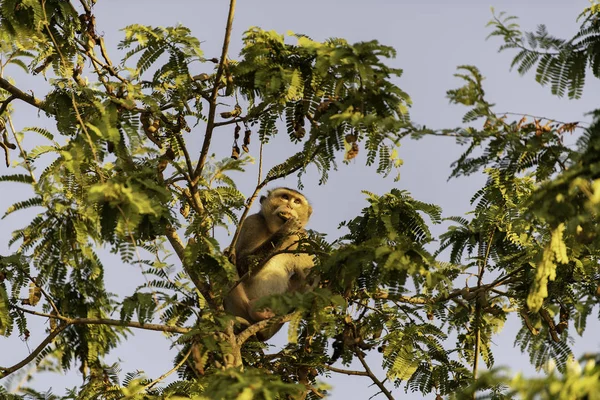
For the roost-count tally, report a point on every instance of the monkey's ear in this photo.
(309, 211)
(262, 198)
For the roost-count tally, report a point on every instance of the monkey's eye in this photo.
(297, 201)
(285, 197)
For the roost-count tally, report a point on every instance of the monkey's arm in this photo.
(254, 248)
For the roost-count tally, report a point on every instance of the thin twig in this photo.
(482, 266)
(370, 374)
(247, 207)
(260, 163)
(539, 117)
(46, 295)
(345, 371)
(21, 149)
(166, 374)
(109, 322)
(186, 154)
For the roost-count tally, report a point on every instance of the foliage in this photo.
(560, 63)
(117, 173)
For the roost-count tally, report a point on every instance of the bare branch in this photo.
(21, 149)
(48, 298)
(4, 372)
(130, 324)
(175, 368)
(6, 102)
(186, 154)
(383, 295)
(213, 98)
(108, 321)
(259, 326)
(179, 248)
(27, 98)
(376, 381)
(176, 242)
(580, 124)
(345, 371)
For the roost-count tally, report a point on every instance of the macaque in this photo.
(278, 226)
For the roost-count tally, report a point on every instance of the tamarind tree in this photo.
(128, 167)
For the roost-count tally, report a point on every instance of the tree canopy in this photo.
(128, 168)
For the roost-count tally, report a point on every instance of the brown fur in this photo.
(278, 226)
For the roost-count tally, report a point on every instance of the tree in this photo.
(120, 172)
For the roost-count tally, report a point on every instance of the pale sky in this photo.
(432, 38)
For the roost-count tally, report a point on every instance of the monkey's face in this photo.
(283, 204)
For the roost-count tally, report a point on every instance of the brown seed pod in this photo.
(149, 126)
(564, 320)
(201, 77)
(162, 164)
(170, 154)
(235, 152)
(232, 114)
(155, 125)
(352, 152)
(182, 123)
(247, 134)
(35, 294)
(236, 132)
(351, 138)
(245, 148)
(299, 131)
(185, 209)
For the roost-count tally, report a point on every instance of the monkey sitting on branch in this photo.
(278, 226)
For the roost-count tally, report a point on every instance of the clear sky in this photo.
(432, 38)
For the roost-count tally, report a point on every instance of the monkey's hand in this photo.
(291, 225)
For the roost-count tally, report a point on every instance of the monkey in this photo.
(279, 225)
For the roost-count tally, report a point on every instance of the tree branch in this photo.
(6, 102)
(213, 98)
(166, 374)
(179, 248)
(376, 381)
(48, 298)
(108, 321)
(259, 326)
(345, 371)
(27, 98)
(7, 371)
(580, 124)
